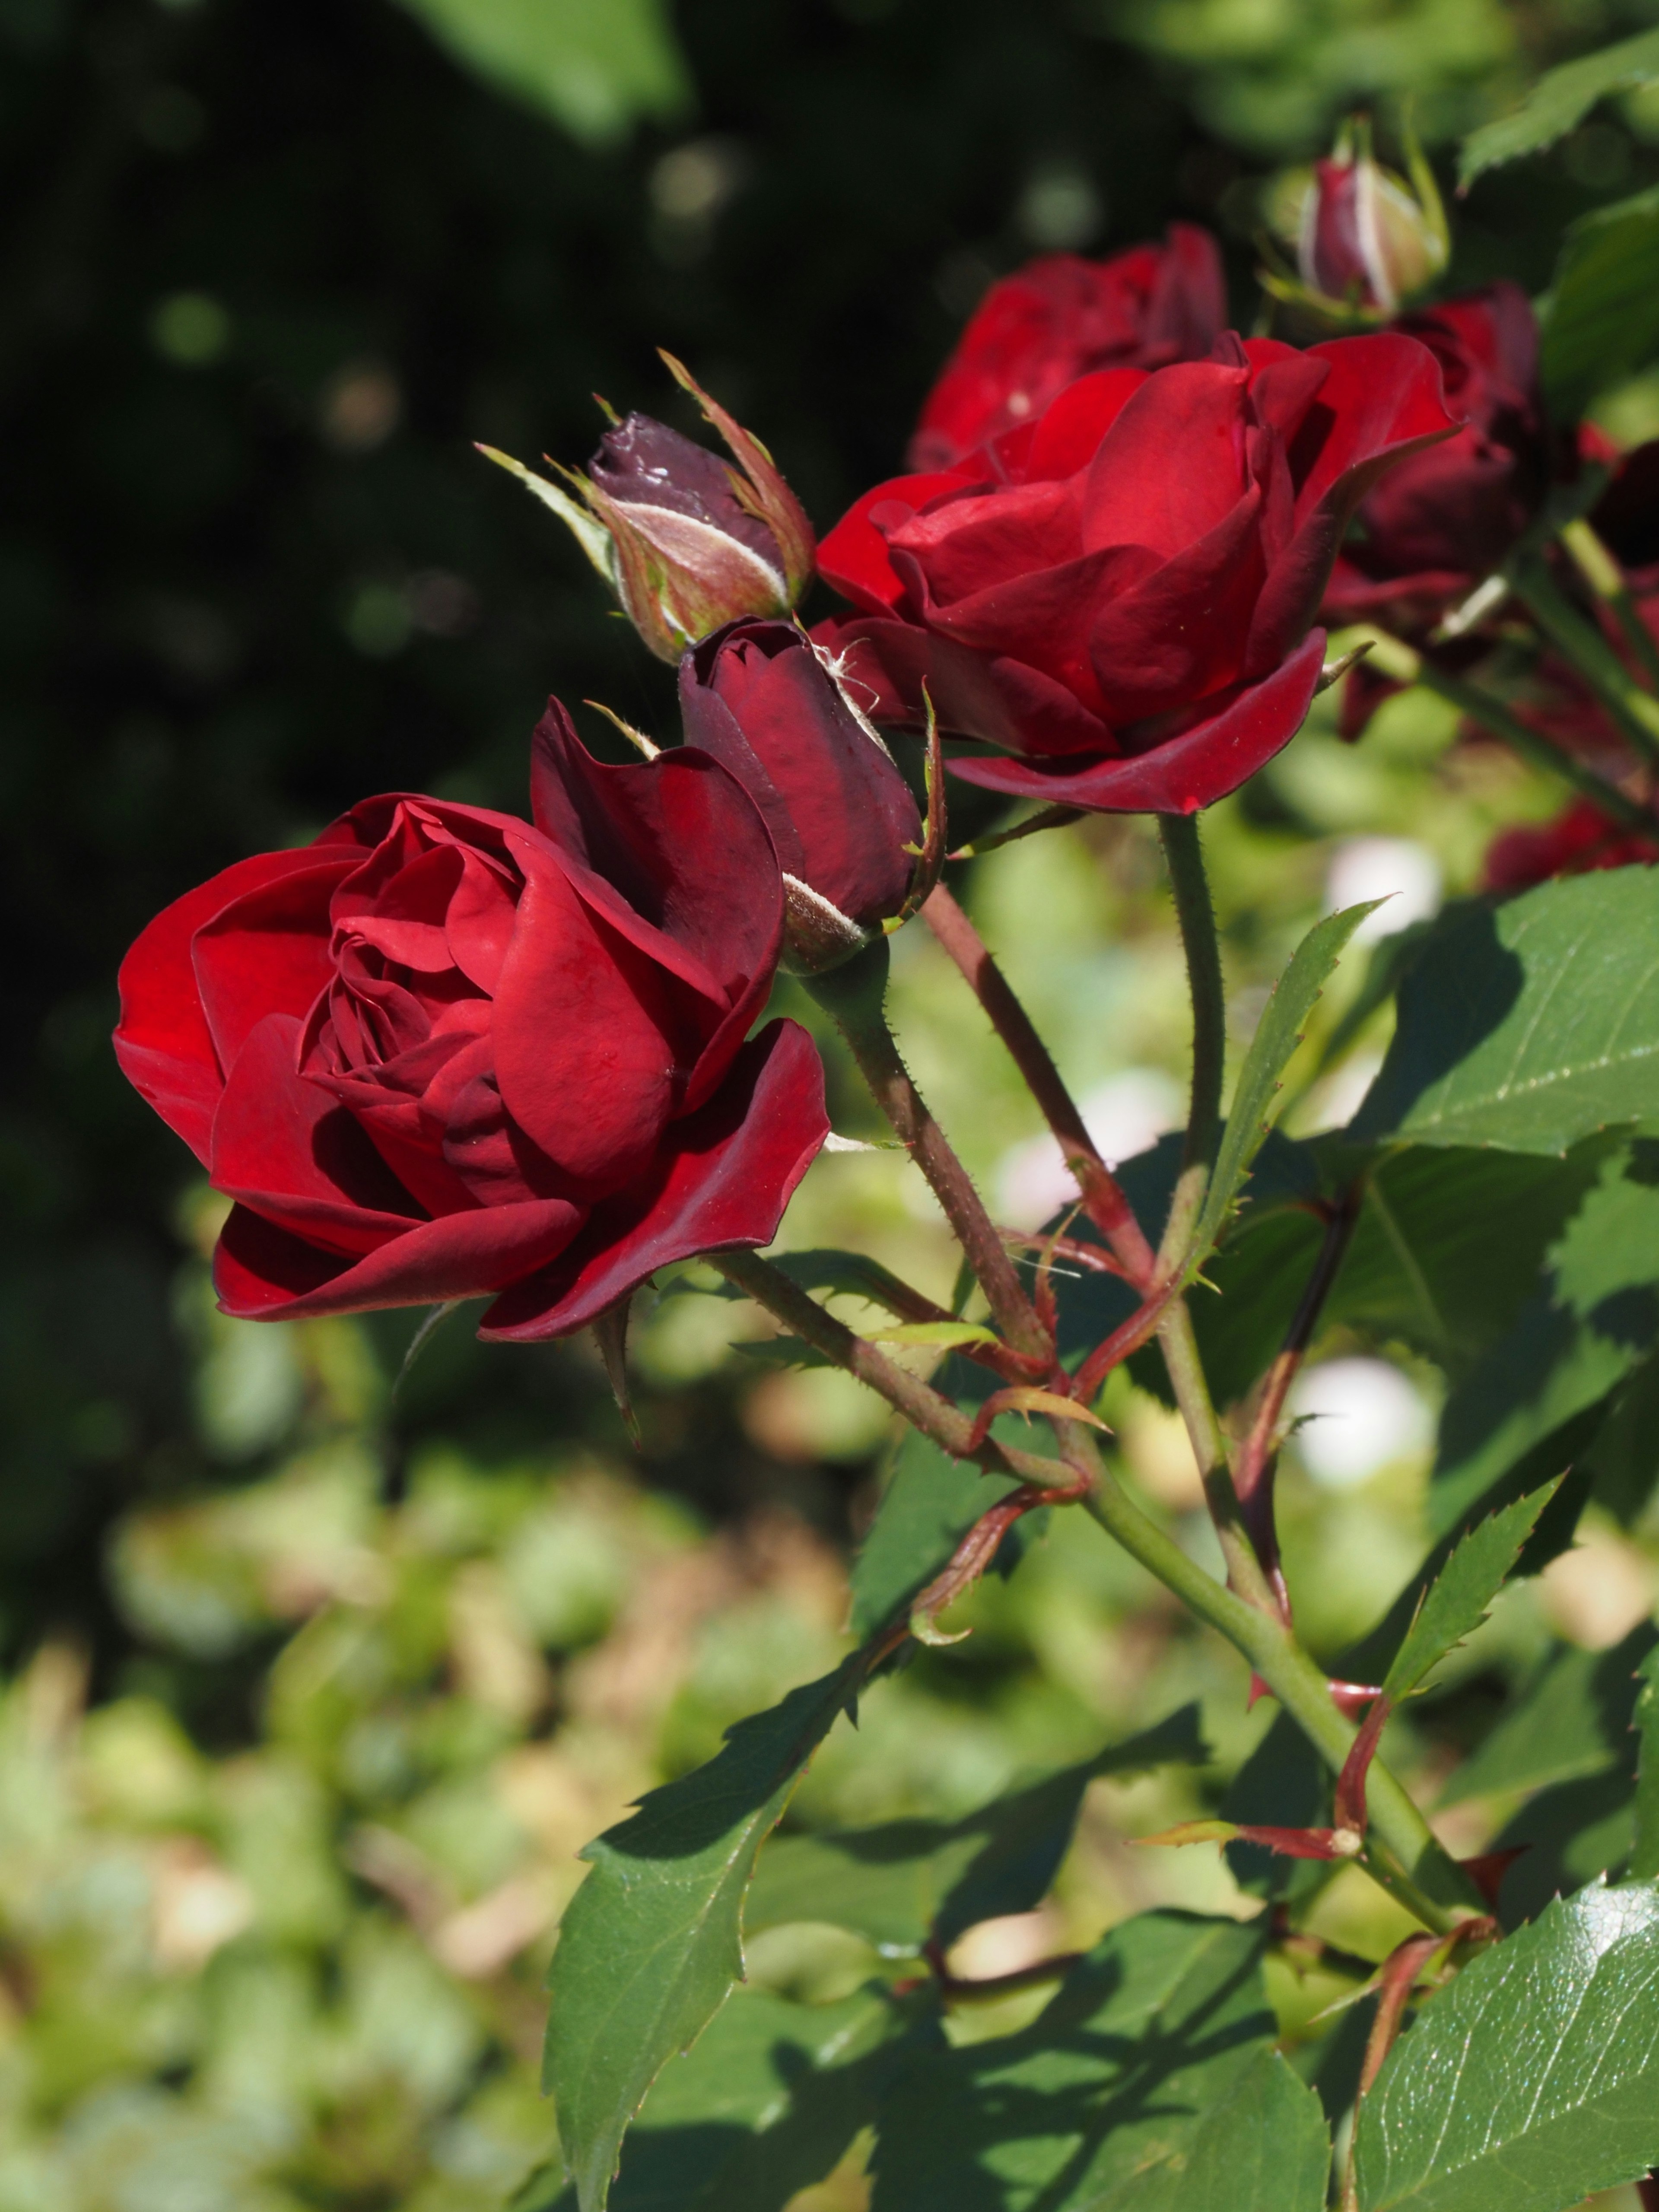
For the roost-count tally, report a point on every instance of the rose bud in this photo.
(443, 1053)
(686, 540)
(761, 701)
(1444, 520)
(1120, 596)
(1058, 319)
(1365, 242)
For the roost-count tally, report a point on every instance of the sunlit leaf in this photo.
(1601, 321)
(592, 69)
(1557, 103)
(1455, 1602)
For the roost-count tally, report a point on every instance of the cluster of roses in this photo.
(444, 1053)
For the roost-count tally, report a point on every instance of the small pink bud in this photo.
(1368, 241)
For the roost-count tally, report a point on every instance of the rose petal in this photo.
(1184, 773)
(732, 1170)
(975, 695)
(853, 559)
(1171, 467)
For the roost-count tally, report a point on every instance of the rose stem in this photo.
(1253, 1472)
(1175, 1337)
(1103, 1195)
(1425, 1879)
(1601, 571)
(854, 995)
(1631, 707)
(1401, 661)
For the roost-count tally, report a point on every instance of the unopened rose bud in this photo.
(1367, 240)
(762, 700)
(687, 541)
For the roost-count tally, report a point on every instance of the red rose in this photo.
(756, 697)
(1122, 592)
(443, 1053)
(1059, 318)
(1579, 839)
(1446, 518)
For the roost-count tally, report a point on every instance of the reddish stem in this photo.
(1102, 1194)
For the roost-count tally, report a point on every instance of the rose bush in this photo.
(442, 1052)
(1058, 319)
(758, 699)
(1121, 594)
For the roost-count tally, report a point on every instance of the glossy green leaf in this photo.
(930, 1502)
(1594, 1321)
(1530, 1027)
(951, 1333)
(901, 1883)
(650, 1945)
(1455, 1602)
(1645, 1853)
(1266, 2148)
(592, 69)
(1572, 1719)
(1277, 1037)
(1561, 99)
(1532, 2079)
(764, 2104)
(1144, 2038)
(1601, 321)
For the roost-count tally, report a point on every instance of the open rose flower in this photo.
(1445, 518)
(1058, 318)
(1121, 594)
(442, 1052)
(757, 697)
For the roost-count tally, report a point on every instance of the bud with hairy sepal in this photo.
(1368, 241)
(764, 701)
(687, 541)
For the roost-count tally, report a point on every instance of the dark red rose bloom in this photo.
(1120, 594)
(1444, 519)
(443, 1053)
(1058, 319)
(758, 698)
(1579, 839)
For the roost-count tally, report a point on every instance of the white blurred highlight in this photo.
(1124, 1115)
(1364, 1413)
(1395, 869)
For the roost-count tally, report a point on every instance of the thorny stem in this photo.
(1253, 1472)
(1410, 1863)
(853, 995)
(1176, 1338)
(1635, 714)
(1102, 1196)
(1393, 658)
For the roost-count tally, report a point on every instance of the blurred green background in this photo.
(313, 1684)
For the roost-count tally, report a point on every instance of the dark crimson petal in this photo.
(853, 558)
(1171, 468)
(262, 1272)
(590, 1039)
(1184, 773)
(688, 864)
(285, 1147)
(163, 1041)
(1044, 615)
(1065, 438)
(266, 952)
(1189, 306)
(756, 696)
(975, 695)
(1180, 633)
(734, 1169)
(982, 538)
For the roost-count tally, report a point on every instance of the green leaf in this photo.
(847, 1274)
(1601, 321)
(1556, 102)
(1568, 1835)
(1571, 1720)
(1283, 1783)
(650, 1944)
(951, 1333)
(1532, 2079)
(1592, 1323)
(929, 1504)
(1144, 2038)
(1622, 1460)
(1264, 2148)
(908, 1880)
(1645, 1853)
(594, 69)
(1277, 1037)
(1531, 1027)
(1455, 1602)
(765, 2103)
